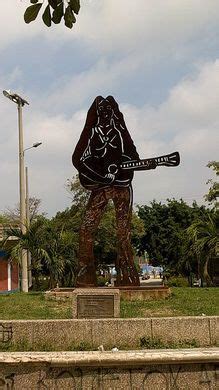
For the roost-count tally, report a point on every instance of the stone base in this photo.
(95, 303)
(127, 293)
(123, 370)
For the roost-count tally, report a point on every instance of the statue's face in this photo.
(105, 111)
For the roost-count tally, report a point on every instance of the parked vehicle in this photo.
(145, 276)
(197, 283)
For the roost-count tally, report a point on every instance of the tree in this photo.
(32, 240)
(213, 192)
(70, 219)
(4, 219)
(53, 12)
(52, 252)
(13, 214)
(165, 239)
(79, 195)
(204, 237)
(55, 255)
(105, 241)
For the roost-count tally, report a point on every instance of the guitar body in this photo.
(98, 167)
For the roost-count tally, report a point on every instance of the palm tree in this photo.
(48, 248)
(53, 257)
(204, 237)
(31, 241)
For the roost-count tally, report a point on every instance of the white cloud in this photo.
(13, 28)
(192, 103)
(198, 98)
(187, 121)
(125, 36)
(100, 79)
(158, 24)
(109, 26)
(173, 125)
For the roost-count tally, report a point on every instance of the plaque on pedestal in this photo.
(96, 303)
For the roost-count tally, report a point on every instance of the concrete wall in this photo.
(3, 275)
(5, 284)
(13, 283)
(123, 333)
(131, 370)
(14, 276)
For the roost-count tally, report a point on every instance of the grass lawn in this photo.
(184, 301)
(32, 306)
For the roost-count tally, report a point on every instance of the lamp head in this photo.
(15, 97)
(36, 144)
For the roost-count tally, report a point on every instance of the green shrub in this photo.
(102, 280)
(148, 343)
(41, 284)
(153, 343)
(177, 281)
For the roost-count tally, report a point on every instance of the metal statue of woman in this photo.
(104, 145)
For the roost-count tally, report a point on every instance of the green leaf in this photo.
(69, 17)
(32, 12)
(75, 5)
(47, 16)
(54, 3)
(58, 13)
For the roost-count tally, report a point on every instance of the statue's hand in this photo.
(110, 177)
(152, 164)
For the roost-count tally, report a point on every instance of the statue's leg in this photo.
(125, 267)
(94, 211)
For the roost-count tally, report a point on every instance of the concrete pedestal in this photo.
(95, 303)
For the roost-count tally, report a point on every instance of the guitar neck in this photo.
(168, 160)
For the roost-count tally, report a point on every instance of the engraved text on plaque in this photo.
(95, 306)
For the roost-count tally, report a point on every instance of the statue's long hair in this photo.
(92, 115)
(117, 121)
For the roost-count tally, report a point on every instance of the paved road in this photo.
(151, 282)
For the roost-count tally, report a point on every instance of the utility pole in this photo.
(24, 206)
(30, 282)
(20, 103)
(24, 280)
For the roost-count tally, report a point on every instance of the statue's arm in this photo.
(80, 147)
(83, 166)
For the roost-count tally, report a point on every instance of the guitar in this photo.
(123, 170)
(168, 160)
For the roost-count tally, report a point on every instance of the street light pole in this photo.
(27, 203)
(20, 103)
(27, 199)
(24, 279)
(28, 225)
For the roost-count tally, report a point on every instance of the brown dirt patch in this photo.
(160, 312)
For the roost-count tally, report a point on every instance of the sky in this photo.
(159, 59)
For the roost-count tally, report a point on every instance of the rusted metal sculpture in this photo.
(105, 157)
